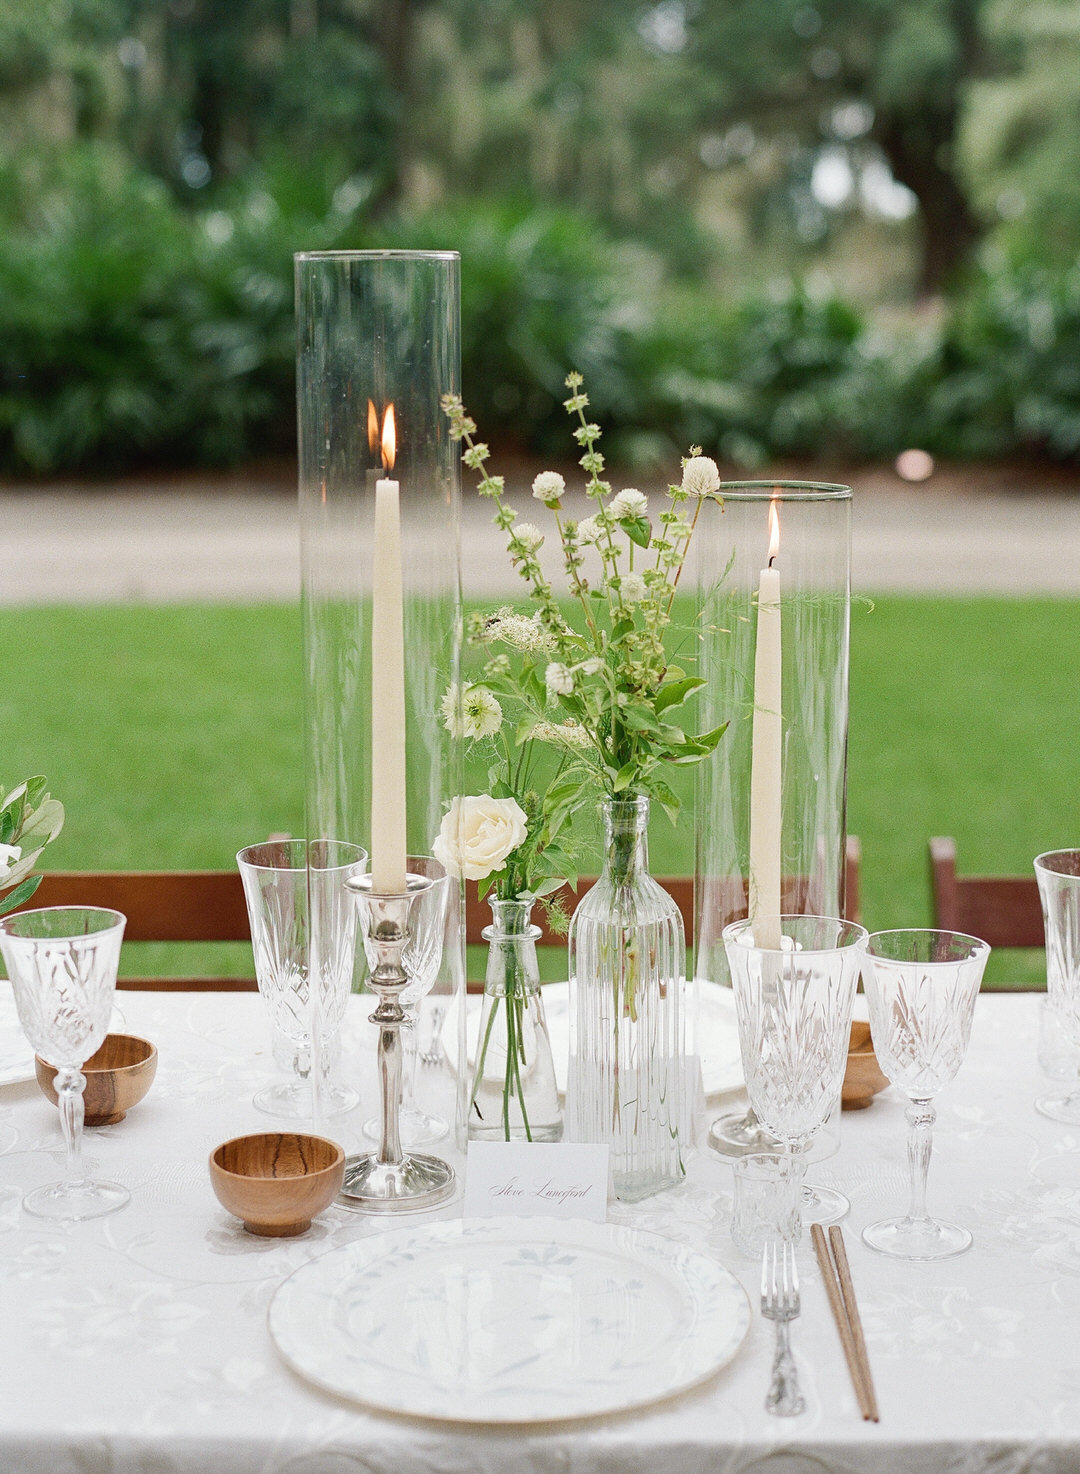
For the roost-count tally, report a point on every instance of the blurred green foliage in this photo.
(697, 206)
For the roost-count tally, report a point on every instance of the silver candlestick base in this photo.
(390, 1180)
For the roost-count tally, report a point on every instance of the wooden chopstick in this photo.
(847, 1289)
(858, 1367)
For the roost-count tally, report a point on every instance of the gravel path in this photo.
(235, 538)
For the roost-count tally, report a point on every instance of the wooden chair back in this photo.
(161, 906)
(679, 887)
(1003, 910)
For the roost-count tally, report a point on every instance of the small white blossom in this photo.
(10, 855)
(591, 667)
(483, 714)
(628, 503)
(548, 487)
(632, 588)
(701, 476)
(475, 714)
(558, 679)
(522, 631)
(526, 537)
(571, 734)
(589, 530)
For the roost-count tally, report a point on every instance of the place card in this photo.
(531, 1179)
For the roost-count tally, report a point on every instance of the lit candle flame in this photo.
(389, 439)
(774, 531)
(372, 427)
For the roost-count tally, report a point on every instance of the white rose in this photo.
(629, 503)
(548, 487)
(701, 476)
(477, 835)
(10, 855)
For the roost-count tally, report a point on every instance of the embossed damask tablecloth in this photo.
(138, 1344)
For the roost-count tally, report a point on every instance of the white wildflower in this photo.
(526, 537)
(628, 503)
(589, 530)
(571, 734)
(478, 834)
(701, 476)
(522, 631)
(632, 588)
(475, 714)
(558, 679)
(10, 855)
(548, 487)
(591, 667)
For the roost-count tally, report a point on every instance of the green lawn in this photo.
(174, 736)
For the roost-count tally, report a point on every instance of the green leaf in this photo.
(624, 777)
(36, 791)
(674, 693)
(20, 894)
(45, 823)
(637, 530)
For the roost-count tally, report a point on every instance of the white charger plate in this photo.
(509, 1320)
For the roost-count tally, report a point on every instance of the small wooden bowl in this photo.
(118, 1075)
(276, 1181)
(862, 1078)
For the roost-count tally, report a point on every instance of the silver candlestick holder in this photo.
(389, 1180)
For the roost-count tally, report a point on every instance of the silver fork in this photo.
(780, 1303)
(432, 1054)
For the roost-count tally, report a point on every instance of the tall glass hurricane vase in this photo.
(773, 570)
(377, 348)
(628, 1014)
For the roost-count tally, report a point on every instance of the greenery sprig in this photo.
(610, 679)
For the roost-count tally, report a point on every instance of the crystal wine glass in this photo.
(921, 988)
(297, 903)
(421, 957)
(62, 962)
(793, 1005)
(1058, 874)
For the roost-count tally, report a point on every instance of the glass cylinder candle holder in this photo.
(774, 581)
(377, 348)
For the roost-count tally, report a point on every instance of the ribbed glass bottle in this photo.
(514, 1094)
(628, 1013)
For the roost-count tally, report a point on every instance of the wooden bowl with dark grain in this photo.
(118, 1075)
(276, 1181)
(863, 1077)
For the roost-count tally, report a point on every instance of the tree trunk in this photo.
(918, 151)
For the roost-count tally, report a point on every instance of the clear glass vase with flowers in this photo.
(509, 841)
(617, 671)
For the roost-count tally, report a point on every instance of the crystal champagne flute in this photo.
(921, 988)
(793, 1005)
(62, 962)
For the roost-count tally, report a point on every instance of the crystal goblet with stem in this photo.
(793, 1005)
(297, 903)
(422, 957)
(921, 987)
(62, 962)
(1058, 875)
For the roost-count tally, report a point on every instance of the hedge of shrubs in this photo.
(136, 332)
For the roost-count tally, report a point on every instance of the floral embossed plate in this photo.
(509, 1320)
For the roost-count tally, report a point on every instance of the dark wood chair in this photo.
(161, 906)
(1003, 910)
(680, 887)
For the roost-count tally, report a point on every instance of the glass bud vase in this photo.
(628, 1015)
(514, 1094)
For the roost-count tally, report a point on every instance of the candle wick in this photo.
(771, 561)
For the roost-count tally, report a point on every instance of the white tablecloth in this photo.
(137, 1344)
